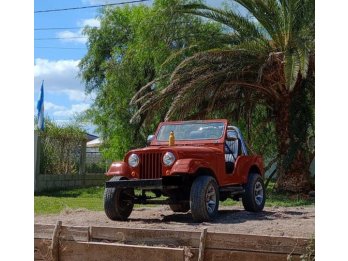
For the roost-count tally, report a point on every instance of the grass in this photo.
(57, 201)
(92, 199)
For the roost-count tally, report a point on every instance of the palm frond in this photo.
(262, 59)
(269, 15)
(245, 28)
(178, 54)
(291, 69)
(146, 87)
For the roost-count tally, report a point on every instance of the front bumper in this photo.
(139, 184)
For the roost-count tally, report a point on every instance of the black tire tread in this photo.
(197, 199)
(248, 197)
(111, 210)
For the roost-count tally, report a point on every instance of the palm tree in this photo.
(268, 57)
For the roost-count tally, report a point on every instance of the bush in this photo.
(60, 148)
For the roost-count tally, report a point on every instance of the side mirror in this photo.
(149, 139)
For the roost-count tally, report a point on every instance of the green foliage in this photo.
(302, 114)
(60, 148)
(97, 167)
(134, 45)
(267, 54)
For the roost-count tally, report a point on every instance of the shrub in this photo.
(60, 148)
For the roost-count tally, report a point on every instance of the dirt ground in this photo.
(276, 221)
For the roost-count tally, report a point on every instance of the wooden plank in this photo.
(146, 236)
(42, 249)
(55, 241)
(76, 233)
(171, 238)
(202, 240)
(223, 255)
(256, 243)
(97, 251)
(225, 241)
(42, 231)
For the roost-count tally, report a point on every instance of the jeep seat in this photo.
(232, 150)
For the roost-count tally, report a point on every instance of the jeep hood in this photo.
(181, 150)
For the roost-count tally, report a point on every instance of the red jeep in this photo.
(190, 165)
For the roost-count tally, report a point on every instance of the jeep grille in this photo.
(150, 165)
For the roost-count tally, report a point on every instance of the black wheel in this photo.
(204, 198)
(183, 207)
(118, 203)
(255, 195)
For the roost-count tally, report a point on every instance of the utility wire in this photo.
(54, 47)
(59, 28)
(82, 27)
(182, 36)
(61, 38)
(90, 6)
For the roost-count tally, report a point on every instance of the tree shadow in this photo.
(59, 193)
(92, 191)
(224, 217)
(293, 213)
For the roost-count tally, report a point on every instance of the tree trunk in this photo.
(295, 178)
(293, 164)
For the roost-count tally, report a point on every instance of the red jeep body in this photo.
(203, 155)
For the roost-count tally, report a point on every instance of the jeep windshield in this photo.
(192, 131)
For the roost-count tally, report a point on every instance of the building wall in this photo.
(56, 182)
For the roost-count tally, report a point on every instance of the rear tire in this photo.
(204, 199)
(118, 203)
(254, 197)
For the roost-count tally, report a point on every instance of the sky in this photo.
(57, 53)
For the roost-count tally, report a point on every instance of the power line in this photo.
(61, 38)
(59, 28)
(85, 37)
(54, 47)
(90, 6)
(82, 27)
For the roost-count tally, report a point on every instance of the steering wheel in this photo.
(213, 135)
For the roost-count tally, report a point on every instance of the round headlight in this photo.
(133, 160)
(168, 158)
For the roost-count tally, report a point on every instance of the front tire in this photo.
(118, 203)
(204, 199)
(254, 197)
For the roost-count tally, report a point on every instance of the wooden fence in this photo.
(89, 169)
(57, 242)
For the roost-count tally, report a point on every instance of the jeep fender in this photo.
(119, 168)
(246, 165)
(190, 166)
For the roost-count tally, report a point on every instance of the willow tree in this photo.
(268, 53)
(128, 50)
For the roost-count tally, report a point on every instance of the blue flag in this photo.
(40, 108)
